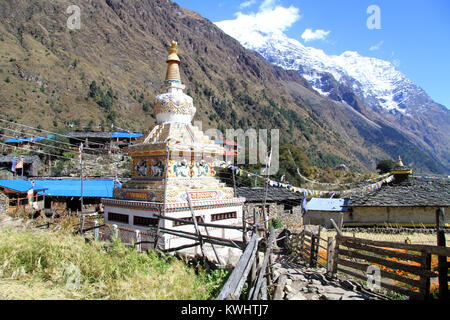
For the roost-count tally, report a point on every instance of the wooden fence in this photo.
(310, 246)
(249, 270)
(402, 268)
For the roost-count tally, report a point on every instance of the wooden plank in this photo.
(420, 271)
(425, 279)
(279, 290)
(235, 283)
(330, 254)
(208, 239)
(200, 224)
(214, 240)
(262, 271)
(442, 261)
(384, 252)
(194, 219)
(338, 230)
(386, 274)
(397, 245)
(390, 287)
(181, 247)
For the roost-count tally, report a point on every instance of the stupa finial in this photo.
(173, 61)
(400, 162)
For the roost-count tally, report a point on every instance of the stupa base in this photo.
(141, 215)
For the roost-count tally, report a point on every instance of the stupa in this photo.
(174, 159)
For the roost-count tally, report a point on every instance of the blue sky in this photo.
(414, 34)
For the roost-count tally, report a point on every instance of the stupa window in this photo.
(178, 223)
(144, 222)
(117, 217)
(223, 216)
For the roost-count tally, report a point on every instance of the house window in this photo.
(178, 223)
(224, 216)
(117, 217)
(144, 222)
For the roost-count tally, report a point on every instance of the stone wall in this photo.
(395, 215)
(377, 215)
(289, 218)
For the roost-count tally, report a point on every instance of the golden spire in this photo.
(173, 61)
(400, 162)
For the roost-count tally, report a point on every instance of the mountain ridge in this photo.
(362, 82)
(122, 46)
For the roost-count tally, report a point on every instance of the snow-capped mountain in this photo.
(376, 82)
(361, 82)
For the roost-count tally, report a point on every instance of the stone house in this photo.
(405, 201)
(321, 210)
(31, 164)
(280, 203)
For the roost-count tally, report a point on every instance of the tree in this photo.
(386, 166)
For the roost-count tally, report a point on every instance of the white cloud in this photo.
(377, 46)
(270, 18)
(310, 35)
(268, 4)
(247, 4)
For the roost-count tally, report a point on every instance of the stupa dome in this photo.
(174, 105)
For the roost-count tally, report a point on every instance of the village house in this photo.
(30, 166)
(321, 210)
(110, 141)
(60, 194)
(26, 143)
(406, 201)
(280, 203)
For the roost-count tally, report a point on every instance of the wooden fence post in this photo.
(442, 260)
(330, 252)
(335, 257)
(82, 224)
(302, 243)
(312, 263)
(425, 280)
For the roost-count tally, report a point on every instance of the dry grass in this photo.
(47, 265)
(414, 238)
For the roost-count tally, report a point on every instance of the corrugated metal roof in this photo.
(64, 188)
(126, 135)
(320, 204)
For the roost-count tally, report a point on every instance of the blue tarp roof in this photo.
(126, 135)
(320, 204)
(15, 140)
(64, 188)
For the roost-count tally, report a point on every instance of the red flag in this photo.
(19, 165)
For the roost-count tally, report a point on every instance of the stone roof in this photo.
(273, 195)
(92, 135)
(25, 158)
(415, 192)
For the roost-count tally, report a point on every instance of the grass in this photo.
(45, 265)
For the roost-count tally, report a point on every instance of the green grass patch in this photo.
(49, 265)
